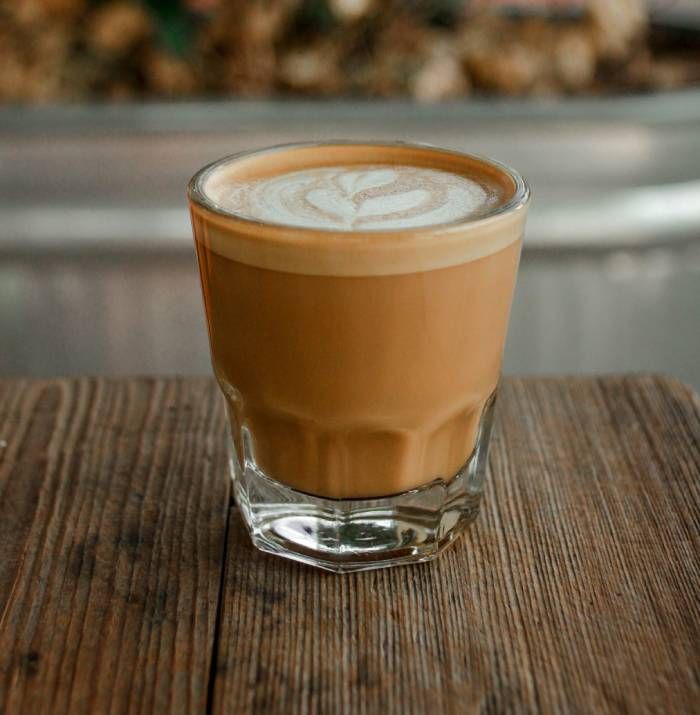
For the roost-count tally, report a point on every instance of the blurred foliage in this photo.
(431, 50)
(312, 17)
(175, 25)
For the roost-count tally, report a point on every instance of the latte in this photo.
(354, 198)
(357, 300)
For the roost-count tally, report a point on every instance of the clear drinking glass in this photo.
(359, 368)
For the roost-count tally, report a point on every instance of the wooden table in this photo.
(127, 583)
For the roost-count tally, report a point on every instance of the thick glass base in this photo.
(345, 535)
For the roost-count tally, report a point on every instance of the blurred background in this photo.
(107, 108)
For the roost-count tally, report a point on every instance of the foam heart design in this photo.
(360, 197)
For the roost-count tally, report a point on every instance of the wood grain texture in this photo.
(113, 513)
(577, 590)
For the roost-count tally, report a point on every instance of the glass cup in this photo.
(359, 368)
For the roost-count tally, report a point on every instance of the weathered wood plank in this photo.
(113, 508)
(578, 589)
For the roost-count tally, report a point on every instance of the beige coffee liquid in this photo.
(357, 298)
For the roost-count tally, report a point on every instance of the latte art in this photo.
(352, 198)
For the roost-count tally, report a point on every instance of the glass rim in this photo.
(196, 194)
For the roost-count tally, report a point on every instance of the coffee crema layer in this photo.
(355, 197)
(357, 209)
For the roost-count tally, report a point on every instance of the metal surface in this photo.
(96, 265)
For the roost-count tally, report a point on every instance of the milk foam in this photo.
(353, 197)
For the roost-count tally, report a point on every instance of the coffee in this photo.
(353, 198)
(357, 299)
